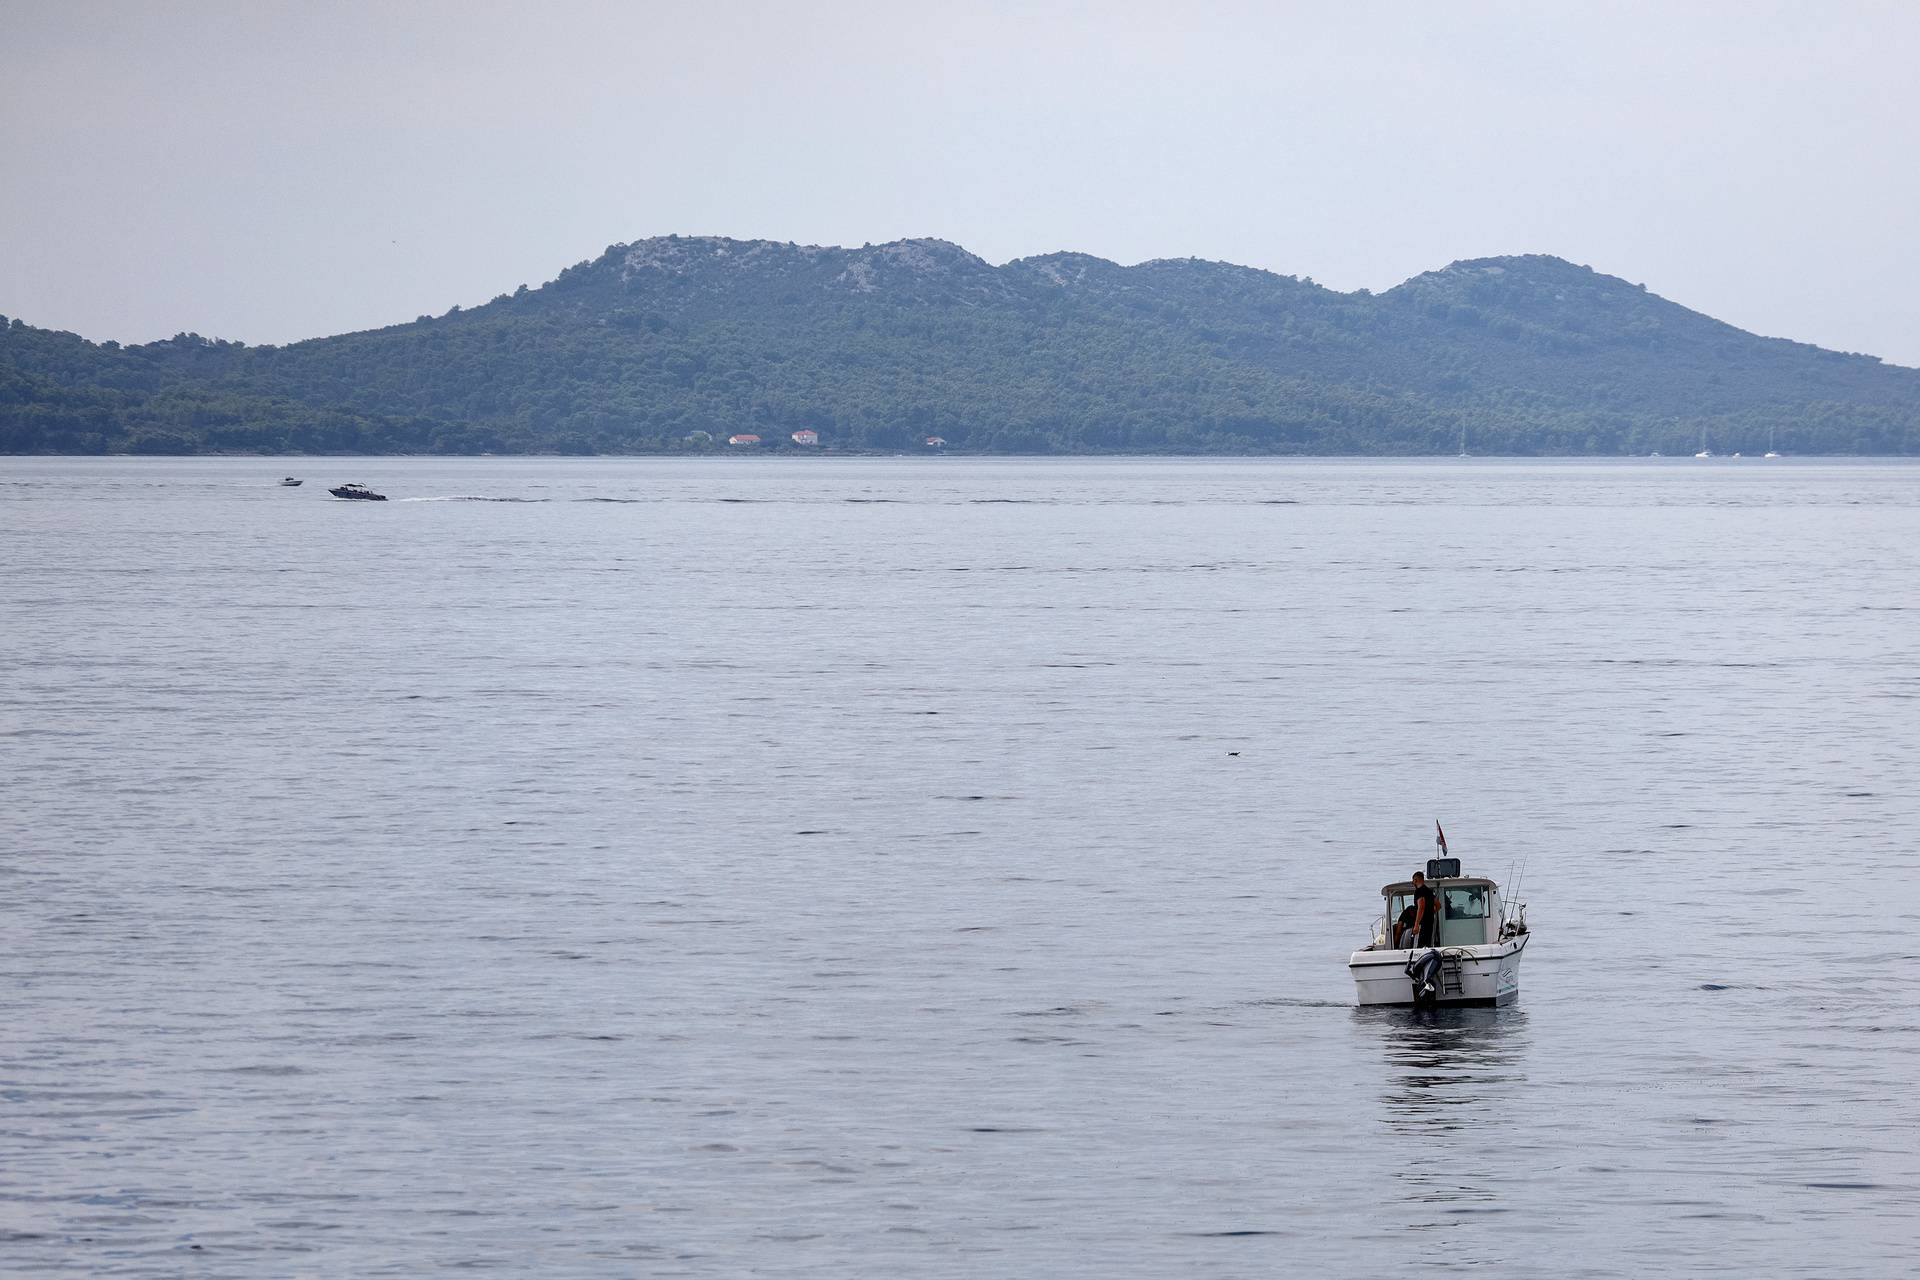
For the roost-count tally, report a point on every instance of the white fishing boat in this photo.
(1473, 957)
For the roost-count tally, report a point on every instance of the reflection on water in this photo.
(1442, 1059)
(1448, 1072)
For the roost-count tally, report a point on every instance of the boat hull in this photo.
(1487, 975)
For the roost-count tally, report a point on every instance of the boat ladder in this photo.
(1450, 984)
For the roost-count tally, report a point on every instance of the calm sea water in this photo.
(947, 868)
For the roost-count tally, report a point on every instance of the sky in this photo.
(271, 171)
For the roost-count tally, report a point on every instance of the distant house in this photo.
(806, 436)
(936, 442)
(743, 439)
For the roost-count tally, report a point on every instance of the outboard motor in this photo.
(1424, 968)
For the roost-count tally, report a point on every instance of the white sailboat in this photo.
(1770, 453)
(1704, 451)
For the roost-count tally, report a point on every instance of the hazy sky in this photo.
(271, 171)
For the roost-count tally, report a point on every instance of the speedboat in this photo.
(1476, 956)
(290, 482)
(358, 491)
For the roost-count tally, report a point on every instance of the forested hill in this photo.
(676, 343)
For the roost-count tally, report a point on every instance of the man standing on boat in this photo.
(1425, 911)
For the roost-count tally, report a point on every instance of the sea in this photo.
(942, 867)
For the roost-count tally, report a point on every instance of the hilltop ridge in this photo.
(664, 343)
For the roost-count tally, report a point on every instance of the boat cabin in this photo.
(1469, 910)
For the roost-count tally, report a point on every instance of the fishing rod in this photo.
(1522, 876)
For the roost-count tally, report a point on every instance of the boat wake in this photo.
(477, 497)
(481, 497)
(1295, 1002)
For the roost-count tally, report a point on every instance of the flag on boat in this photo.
(1440, 837)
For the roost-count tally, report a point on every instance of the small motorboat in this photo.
(359, 491)
(1475, 959)
(291, 482)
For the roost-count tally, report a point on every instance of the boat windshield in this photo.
(1463, 915)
